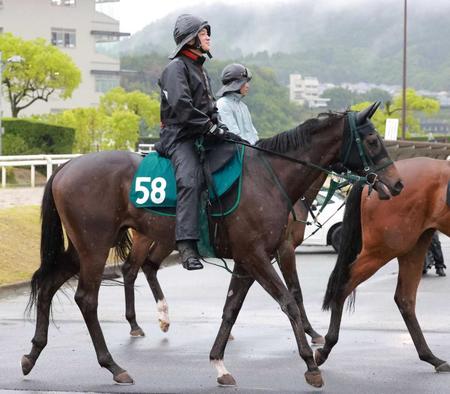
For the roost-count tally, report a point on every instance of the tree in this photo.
(340, 98)
(89, 123)
(144, 106)
(44, 71)
(343, 98)
(414, 104)
(115, 124)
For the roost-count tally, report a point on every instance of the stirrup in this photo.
(192, 264)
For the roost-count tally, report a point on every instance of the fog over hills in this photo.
(353, 40)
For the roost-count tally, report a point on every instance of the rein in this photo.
(370, 178)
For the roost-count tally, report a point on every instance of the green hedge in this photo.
(28, 137)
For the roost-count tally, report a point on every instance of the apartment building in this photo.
(306, 91)
(76, 27)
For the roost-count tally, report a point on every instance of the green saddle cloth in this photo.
(154, 183)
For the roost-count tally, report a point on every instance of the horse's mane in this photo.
(300, 136)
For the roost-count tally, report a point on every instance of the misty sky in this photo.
(134, 15)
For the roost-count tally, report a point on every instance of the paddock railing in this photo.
(32, 161)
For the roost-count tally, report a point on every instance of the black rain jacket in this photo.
(188, 107)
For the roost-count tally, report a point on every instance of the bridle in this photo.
(353, 140)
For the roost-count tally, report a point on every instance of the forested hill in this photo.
(358, 42)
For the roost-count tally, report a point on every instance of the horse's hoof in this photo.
(443, 368)
(314, 378)
(123, 379)
(226, 380)
(27, 365)
(318, 341)
(319, 357)
(164, 325)
(138, 332)
(231, 337)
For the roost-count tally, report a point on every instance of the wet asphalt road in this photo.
(375, 353)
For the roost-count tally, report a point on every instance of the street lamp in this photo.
(12, 59)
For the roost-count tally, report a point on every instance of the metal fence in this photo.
(32, 161)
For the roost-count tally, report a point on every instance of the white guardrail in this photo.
(32, 161)
(45, 160)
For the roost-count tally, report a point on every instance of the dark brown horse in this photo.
(89, 196)
(375, 233)
(148, 255)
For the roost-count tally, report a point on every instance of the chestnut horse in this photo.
(89, 196)
(148, 255)
(401, 228)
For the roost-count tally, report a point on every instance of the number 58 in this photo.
(156, 192)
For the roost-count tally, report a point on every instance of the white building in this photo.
(306, 91)
(75, 26)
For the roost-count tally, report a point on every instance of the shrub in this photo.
(26, 137)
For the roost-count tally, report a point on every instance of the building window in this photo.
(66, 3)
(64, 38)
(105, 82)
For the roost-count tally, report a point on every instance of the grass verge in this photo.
(19, 243)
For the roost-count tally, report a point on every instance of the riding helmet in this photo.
(186, 28)
(233, 77)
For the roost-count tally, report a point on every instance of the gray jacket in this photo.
(236, 116)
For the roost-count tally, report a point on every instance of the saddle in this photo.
(154, 185)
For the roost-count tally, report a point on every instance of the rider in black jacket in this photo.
(188, 111)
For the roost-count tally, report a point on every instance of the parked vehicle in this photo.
(330, 219)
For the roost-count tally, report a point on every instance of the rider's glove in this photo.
(218, 132)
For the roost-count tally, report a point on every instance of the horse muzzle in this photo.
(388, 183)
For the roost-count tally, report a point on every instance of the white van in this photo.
(330, 219)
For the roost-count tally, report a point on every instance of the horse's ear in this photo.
(368, 112)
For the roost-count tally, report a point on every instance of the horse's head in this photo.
(363, 151)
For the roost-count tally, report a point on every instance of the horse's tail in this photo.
(123, 245)
(52, 241)
(351, 242)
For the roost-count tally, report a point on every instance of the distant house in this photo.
(76, 27)
(306, 91)
(435, 126)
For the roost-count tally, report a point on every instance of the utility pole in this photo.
(405, 17)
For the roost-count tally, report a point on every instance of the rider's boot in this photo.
(189, 255)
(440, 271)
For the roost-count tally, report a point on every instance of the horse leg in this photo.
(130, 269)
(288, 268)
(266, 276)
(150, 268)
(410, 272)
(239, 285)
(57, 278)
(362, 268)
(86, 298)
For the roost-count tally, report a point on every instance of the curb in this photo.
(112, 271)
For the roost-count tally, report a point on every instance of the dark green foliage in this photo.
(268, 101)
(341, 98)
(27, 137)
